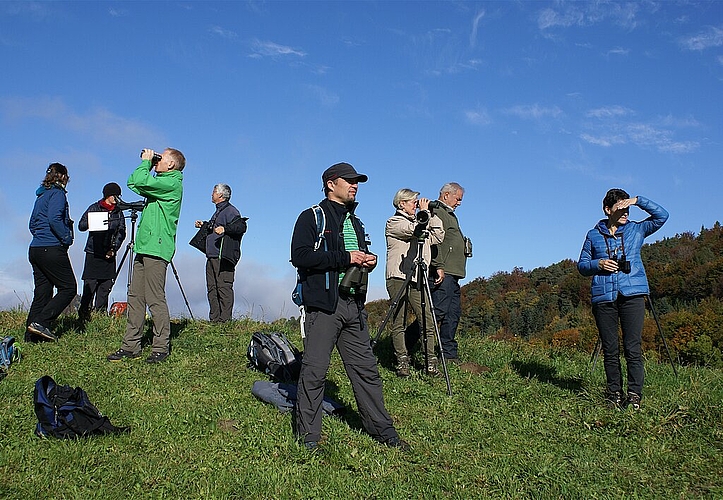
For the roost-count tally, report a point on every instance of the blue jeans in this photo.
(629, 313)
(447, 298)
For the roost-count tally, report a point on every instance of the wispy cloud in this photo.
(712, 36)
(98, 123)
(609, 112)
(323, 95)
(116, 12)
(222, 32)
(534, 111)
(617, 51)
(475, 26)
(643, 135)
(478, 117)
(270, 49)
(581, 14)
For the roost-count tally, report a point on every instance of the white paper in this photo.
(97, 221)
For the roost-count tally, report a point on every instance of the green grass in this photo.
(532, 427)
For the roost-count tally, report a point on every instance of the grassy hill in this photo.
(534, 426)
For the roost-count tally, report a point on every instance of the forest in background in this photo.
(550, 306)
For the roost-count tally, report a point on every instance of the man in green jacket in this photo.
(154, 247)
(449, 265)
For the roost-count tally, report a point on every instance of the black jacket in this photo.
(99, 242)
(228, 245)
(314, 265)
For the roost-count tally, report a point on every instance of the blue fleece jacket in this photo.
(50, 222)
(600, 244)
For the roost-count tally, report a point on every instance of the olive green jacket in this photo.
(450, 253)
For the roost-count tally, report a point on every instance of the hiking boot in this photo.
(614, 400)
(403, 366)
(397, 442)
(311, 446)
(157, 357)
(432, 369)
(42, 331)
(122, 353)
(632, 401)
(454, 361)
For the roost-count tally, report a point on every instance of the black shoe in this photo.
(157, 357)
(454, 361)
(632, 401)
(122, 353)
(42, 331)
(397, 442)
(614, 400)
(312, 446)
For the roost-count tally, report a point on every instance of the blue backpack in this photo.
(9, 354)
(67, 413)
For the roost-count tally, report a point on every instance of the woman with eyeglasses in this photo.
(611, 255)
(403, 233)
(52, 231)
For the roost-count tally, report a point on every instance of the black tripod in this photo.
(598, 345)
(420, 269)
(134, 208)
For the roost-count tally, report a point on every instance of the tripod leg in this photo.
(428, 295)
(660, 331)
(392, 310)
(595, 354)
(178, 280)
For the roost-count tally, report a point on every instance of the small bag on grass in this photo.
(67, 413)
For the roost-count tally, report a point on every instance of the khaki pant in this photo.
(148, 288)
(414, 300)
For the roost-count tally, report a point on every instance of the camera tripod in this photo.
(129, 249)
(422, 284)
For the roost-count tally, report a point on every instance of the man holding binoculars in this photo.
(333, 308)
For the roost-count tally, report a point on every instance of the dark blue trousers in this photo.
(447, 298)
(628, 313)
(51, 270)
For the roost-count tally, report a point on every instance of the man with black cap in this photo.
(99, 272)
(333, 308)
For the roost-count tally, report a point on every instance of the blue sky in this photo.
(536, 108)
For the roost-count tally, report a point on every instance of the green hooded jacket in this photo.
(156, 234)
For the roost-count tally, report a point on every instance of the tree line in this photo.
(550, 305)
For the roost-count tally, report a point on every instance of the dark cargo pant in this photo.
(346, 329)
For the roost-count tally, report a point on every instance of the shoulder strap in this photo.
(320, 218)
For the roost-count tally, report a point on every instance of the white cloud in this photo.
(583, 14)
(475, 26)
(609, 112)
(223, 33)
(325, 97)
(271, 49)
(710, 37)
(604, 141)
(534, 111)
(98, 123)
(478, 117)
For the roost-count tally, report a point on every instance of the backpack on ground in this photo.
(9, 354)
(67, 413)
(275, 355)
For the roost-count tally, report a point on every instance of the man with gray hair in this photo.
(223, 251)
(448, 267)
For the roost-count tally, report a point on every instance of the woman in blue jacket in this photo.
(52, 231)
(611, 255)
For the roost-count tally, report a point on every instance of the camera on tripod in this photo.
(623, 263)
(355, 280)
(136, 206)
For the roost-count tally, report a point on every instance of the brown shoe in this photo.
(432, 369)
(403, 366)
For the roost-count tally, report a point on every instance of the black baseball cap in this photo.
(343, 170)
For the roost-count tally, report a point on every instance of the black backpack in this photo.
(67, 413)
(275, 355)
